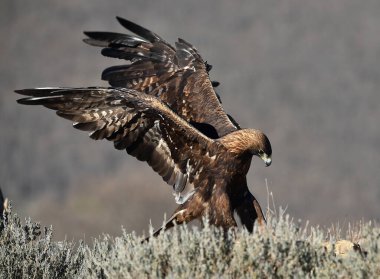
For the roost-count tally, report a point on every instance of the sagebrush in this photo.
(284, 248)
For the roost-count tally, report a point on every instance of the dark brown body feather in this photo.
(162, 109)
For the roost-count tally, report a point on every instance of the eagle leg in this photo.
(179, 217)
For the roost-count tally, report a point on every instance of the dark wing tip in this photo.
(40, 96)
(26, 92)
(88, 33)
(102, 35)
(38, 100)
(93, 39)
(23, 101)
(20, 91)
(35, 92)
(128, 24)
(30, 101)
(138, 30)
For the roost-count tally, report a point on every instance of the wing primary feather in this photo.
(139, 30)
(37, 92)
(115, 38)
(126, 72)
(122, 53)
(39, 100)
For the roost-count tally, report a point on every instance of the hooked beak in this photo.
(267, 159)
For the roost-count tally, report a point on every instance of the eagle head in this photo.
(255, 142)
(263, 148)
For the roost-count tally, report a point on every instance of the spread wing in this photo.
(177, 75)
(147, 128)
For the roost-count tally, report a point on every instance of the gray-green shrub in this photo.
(283, 249)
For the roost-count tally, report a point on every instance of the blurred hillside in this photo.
(306, 73)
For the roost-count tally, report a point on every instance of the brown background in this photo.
(305, 72)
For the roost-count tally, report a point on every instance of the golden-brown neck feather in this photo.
(245, 140)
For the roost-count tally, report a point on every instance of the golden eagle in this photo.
(162, 108)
